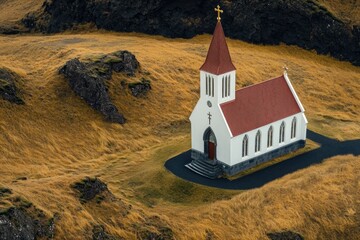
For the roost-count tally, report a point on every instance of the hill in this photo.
(55, 140)
(347, 11)
(329, 27)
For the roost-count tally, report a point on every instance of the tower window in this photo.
(207, 85)
(228, 86)
(226, 90)
(226, 83)
(223, 85)
(212, 86)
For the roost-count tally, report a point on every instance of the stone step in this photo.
(204, 165)
(200, 172)
(205, 169)
(209, 166)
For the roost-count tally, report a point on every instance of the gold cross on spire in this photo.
(219, 11)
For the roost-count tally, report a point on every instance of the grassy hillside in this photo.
(346, 10)
(12, 11)
(55, 139)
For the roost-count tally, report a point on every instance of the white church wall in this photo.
(200, 123)
(236, 142)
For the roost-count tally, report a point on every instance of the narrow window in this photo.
(293, 128)
(270, 137)
(282, 132)
(212, 87)
(257, 141)
(223, 87)
(245, 146)
(228, 85)
(207, 85)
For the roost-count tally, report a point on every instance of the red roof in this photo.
(259, 105)
(218, 60)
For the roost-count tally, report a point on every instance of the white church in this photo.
(232, 131)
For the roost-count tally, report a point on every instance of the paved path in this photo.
(329, 148)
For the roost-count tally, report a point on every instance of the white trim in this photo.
(293, 92)
(226, 123)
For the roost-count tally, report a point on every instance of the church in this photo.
(234, 130)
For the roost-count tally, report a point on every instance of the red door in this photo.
(211, 150)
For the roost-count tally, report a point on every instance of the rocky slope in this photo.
(22, 220)
(88, 80)
(303, 23)
(8, 89)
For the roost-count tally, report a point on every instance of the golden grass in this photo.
(346, 10)
(12, 11)
(56, 139)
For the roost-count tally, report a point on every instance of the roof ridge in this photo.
(256, 84)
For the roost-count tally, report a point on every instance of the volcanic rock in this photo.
(163, 232)
(99, 233)
(89, 188)
(140, 88)
(287, 235)
(8, 89)
(87, 79)
(22, 220)
(303, 23)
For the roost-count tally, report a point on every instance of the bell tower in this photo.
(218, 73)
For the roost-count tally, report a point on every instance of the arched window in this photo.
(293, 128)
(282, 132)
(245, 146)
(270, 137)
(257, 141)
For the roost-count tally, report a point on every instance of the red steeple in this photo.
(218, 60)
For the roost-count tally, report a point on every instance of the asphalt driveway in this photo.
(329, 148)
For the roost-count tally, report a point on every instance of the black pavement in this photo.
(329, 148)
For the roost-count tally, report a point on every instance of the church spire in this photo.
(218, 60)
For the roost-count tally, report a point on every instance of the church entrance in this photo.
(210, 144)
(211, 151)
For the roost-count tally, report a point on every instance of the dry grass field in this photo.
(12, 11)
(346, 10)
(56, 139)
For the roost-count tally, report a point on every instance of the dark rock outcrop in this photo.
(8, 89)
(99, 233)
(163, 231)
(17, 224)
(5, 191)
(23, 221)
(287, 235)
(303, 23)
(139, 89)
(87, 79)
(89, 188)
